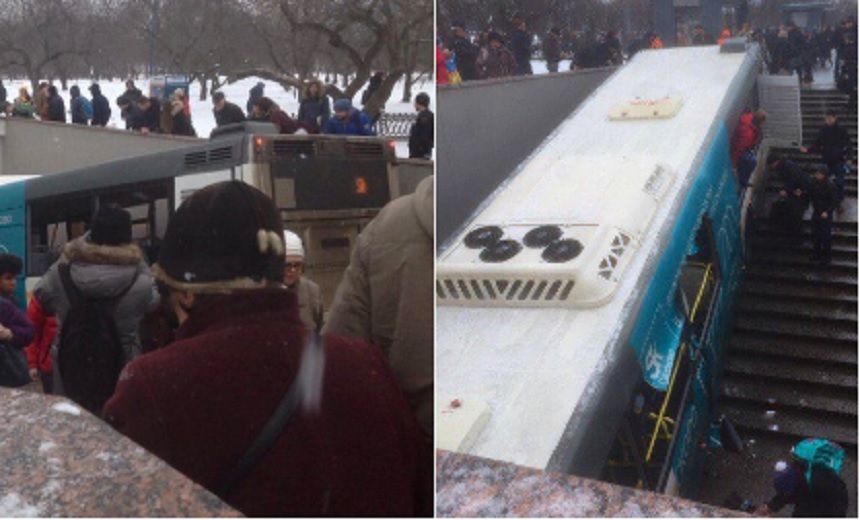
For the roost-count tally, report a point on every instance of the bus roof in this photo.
(226, 152)
(534, 367)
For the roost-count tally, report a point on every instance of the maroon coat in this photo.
(200, 402)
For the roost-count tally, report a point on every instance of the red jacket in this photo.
(441, 69)
(39, 350)
(200, 402)
(746, 136)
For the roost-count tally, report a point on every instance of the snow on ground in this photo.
(201, 111)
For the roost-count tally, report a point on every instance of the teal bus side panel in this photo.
(659, 327)
(13, 238)
(724, 209)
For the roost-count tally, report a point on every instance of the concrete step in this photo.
(793, 307)
(808, 329)
(779, 367)
(775, 395)
(798, 251)
(800, 276)
(814, 292)
(752, 419)
(798, 349)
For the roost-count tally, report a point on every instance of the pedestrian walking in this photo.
(56, 106)
(421, 133)
(834, 145)
(823, 197)
(101, 106)
(521, 47)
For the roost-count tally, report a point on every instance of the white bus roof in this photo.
(518, 373)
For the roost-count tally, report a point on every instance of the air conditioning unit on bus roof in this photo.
(561, 234)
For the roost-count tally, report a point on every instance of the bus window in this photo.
(53, 222)
(699, 279)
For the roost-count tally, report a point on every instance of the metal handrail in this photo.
(661, 420)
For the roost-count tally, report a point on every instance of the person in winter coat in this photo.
(306, 290)
(16, 330)
(466, 52)
(442, 57)
(254, 97)
(226, 113)
(521, 47)
(101, 106)
(350, 447)
(495, 60)
(180, 123)
(421, 133)
(552, 49)
(24, 106)
(315, 110)
(700, 37)
(822, 194)
(834, 145)
(103, 263)
(131, 113)
(77, 105)
(372, 86)
(787, 211)
(150, 109)
(131, 91)
(268, 110)
(56, 106)
(39, 350)
(825, 495)
(386, 295)
(745, 139)
(41, 99)
(348, 120)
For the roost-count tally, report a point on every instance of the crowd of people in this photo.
(352, 388)
(150, 114)
(465, 56)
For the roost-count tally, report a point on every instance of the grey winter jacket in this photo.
(104, 272)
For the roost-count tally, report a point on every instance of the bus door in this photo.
(327, 188)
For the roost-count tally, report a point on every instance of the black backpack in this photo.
(90, 354)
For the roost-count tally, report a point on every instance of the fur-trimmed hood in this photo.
(103, 271)
(83, 251)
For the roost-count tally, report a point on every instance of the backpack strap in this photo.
(69, 287)
(273, 427)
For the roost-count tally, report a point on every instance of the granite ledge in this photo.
(59, 460)
(468, 486)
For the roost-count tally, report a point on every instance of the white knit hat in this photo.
(294, 244)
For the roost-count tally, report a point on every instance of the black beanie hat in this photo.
(226, 236)
(111, 226)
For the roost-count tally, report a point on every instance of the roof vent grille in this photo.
(462, 289)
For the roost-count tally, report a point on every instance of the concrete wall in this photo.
(487, 128)
(30, 147)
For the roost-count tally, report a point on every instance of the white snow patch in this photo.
(12, 505)
(46, 446)
(67, 408)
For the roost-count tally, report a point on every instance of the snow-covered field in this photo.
(201, 111)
